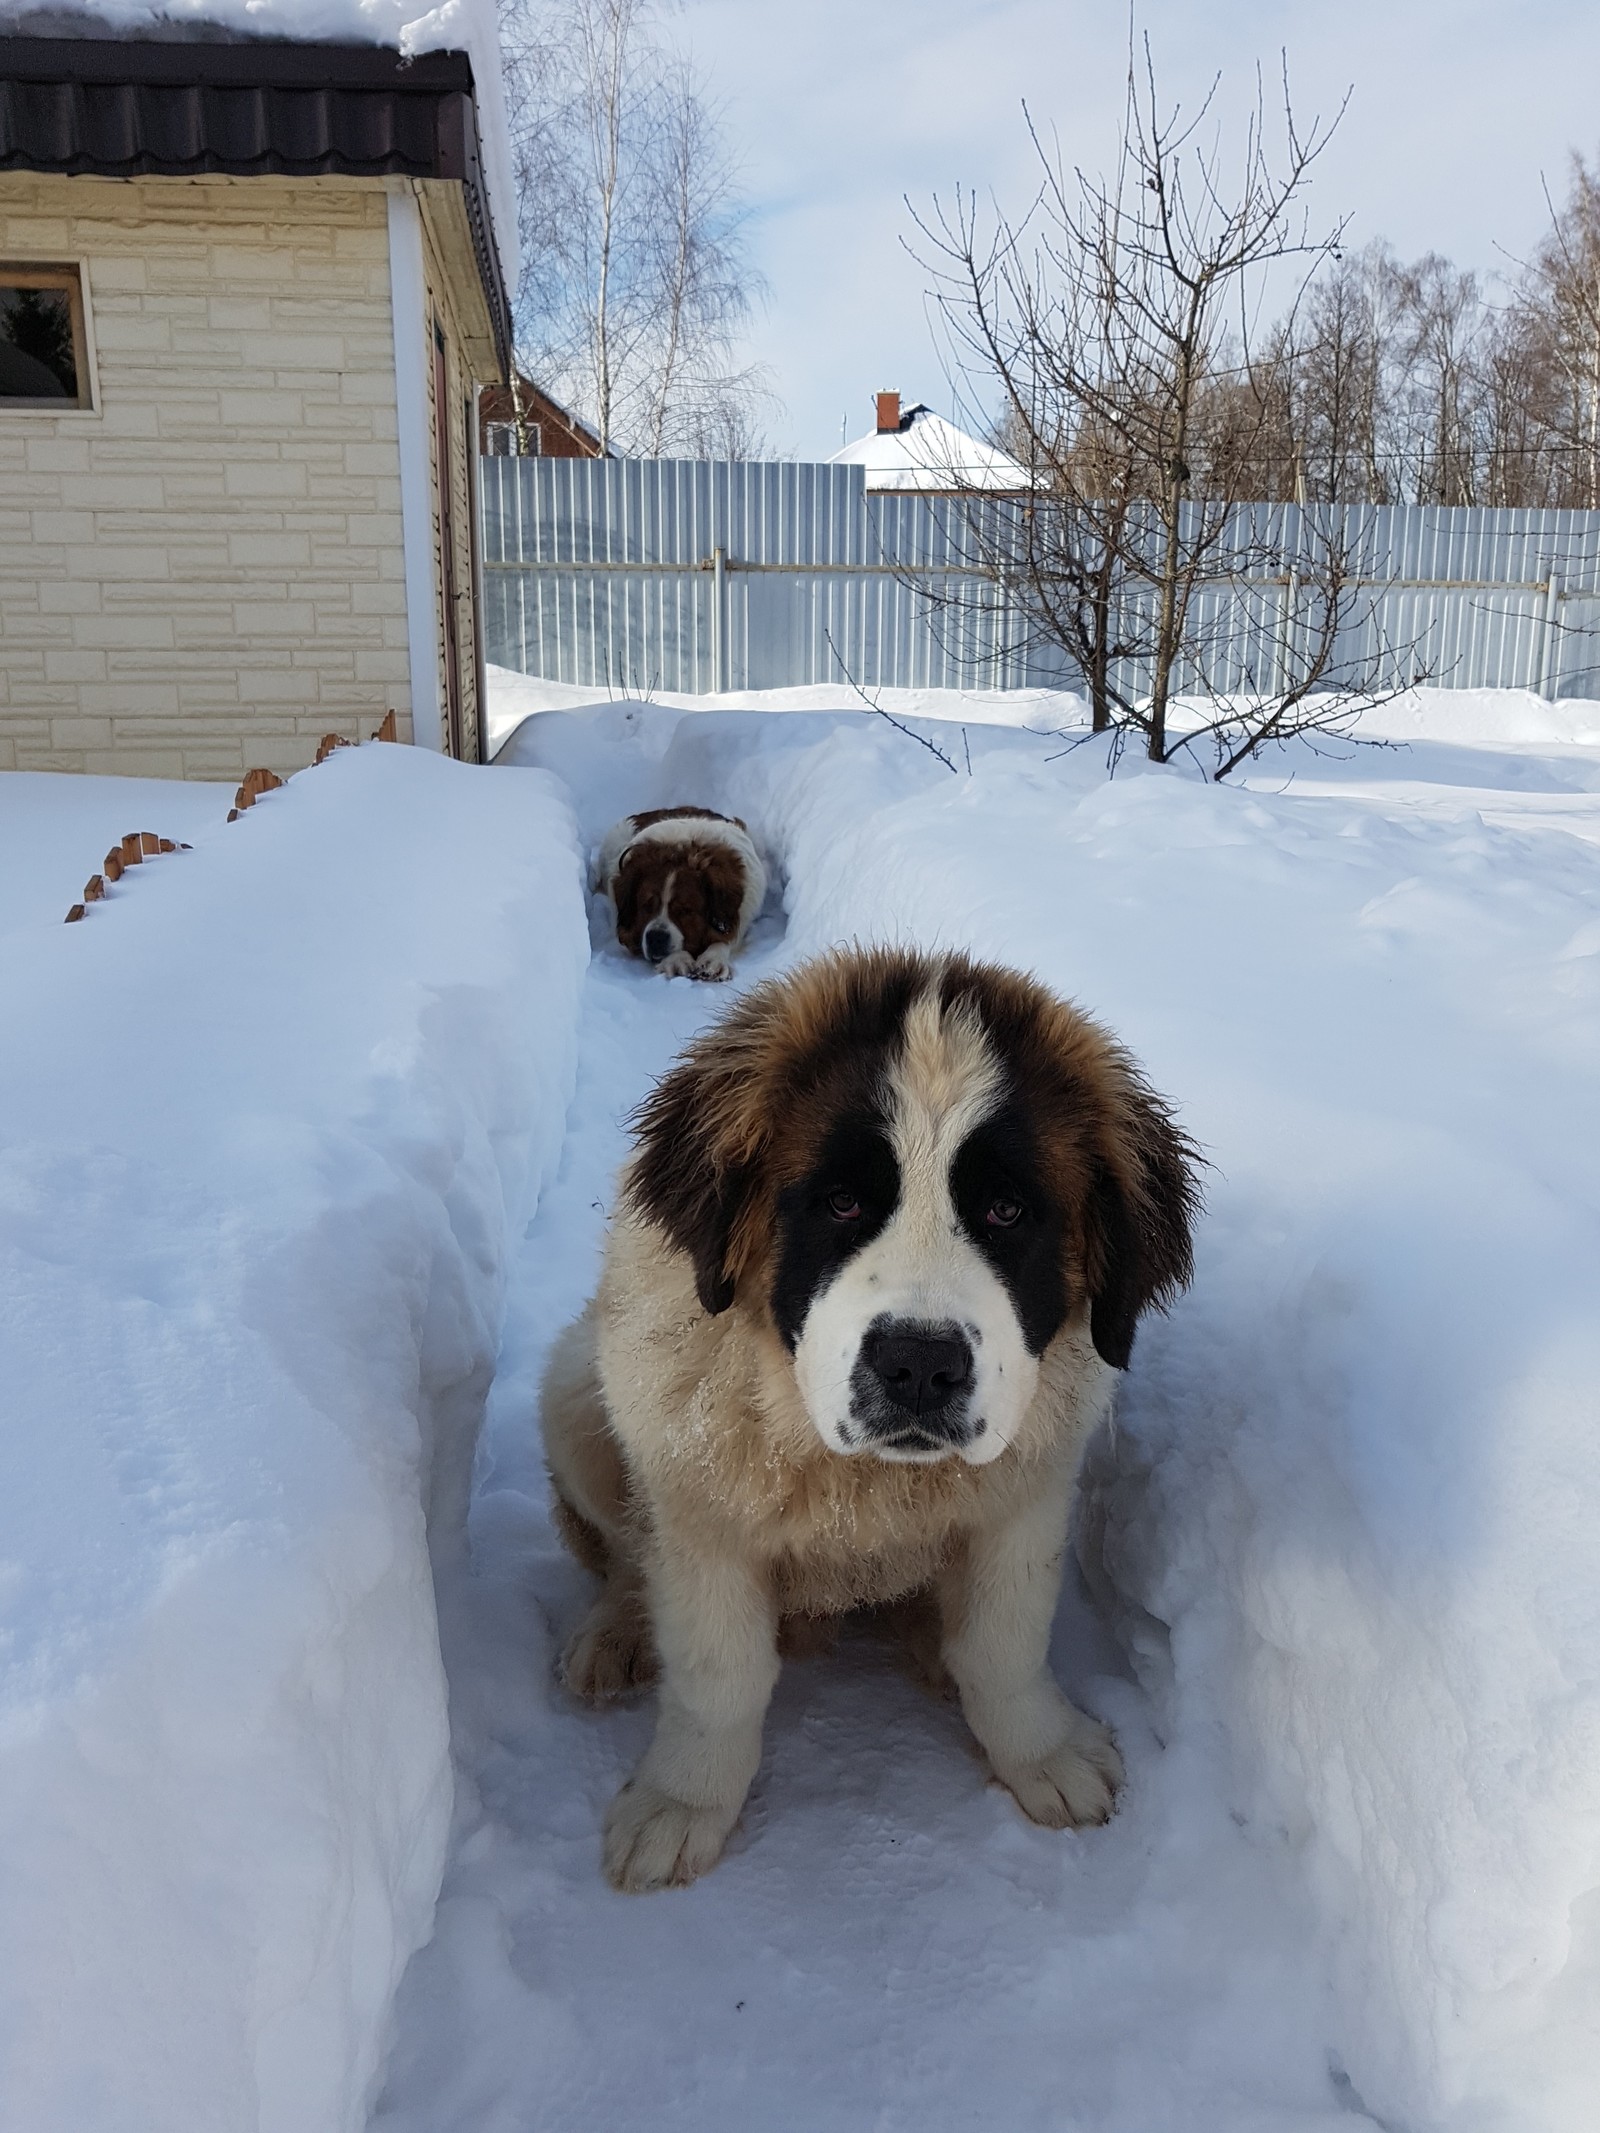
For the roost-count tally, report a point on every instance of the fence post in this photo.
(1287, 646)
(1550, 647)
(719, 619)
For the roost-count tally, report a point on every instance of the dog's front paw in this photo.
(653, 1841)
(680, 964)
(611, 1654)
(1073, 1787)
(714, 964)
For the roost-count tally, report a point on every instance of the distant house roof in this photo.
(250, 107)
(561, 433)
(921, 451)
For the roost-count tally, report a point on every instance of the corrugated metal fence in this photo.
(698, 576)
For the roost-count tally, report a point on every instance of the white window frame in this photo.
(52, 410)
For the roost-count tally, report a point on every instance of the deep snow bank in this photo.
(1347, 1522)
(56, 828)
(266, 1120)
(1489, 718)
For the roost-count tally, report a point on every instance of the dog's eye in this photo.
(844, 1206)
(1004, 1214)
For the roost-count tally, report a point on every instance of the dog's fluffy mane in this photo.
(752, 1098)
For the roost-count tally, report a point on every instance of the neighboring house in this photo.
(249, 293)
(920, 451)
(519, 421)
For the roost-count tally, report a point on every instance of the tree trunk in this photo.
(1100, 656)
(608, 203)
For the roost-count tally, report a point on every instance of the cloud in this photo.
(842, 110)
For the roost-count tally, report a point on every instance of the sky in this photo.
(842, 109)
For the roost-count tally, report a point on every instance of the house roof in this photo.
(249, 107)
(499, 405)
(926, 453)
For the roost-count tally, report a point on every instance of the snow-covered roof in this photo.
(925, 452)
(410, 27)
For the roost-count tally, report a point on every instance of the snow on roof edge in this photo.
(927, 452)
(406, 26)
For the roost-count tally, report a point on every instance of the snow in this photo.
(58, 829)
(275, 1125)
(1513, 722)
(927, 453)
(514, 697)
(408, 26)
(270, 1112)
(1346, 1600)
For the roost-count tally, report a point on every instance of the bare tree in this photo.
(1315, 686)
(1417, 383)
(635, 285)
(1561, 291)
(1118, 321)
(1343, 346)
(1056, 557)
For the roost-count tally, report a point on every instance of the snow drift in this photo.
(269, 1117)
(1346, 1522)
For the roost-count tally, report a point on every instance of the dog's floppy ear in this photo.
(623, 888)
(1142, 1207)
(684, 1179)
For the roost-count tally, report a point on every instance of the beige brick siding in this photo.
(207, 571)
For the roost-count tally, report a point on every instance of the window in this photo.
(500, 439)
(44, 349)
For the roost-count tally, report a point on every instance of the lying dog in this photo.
(685, 884)
(880, 1252)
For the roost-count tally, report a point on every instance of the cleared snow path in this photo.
(888, 1943)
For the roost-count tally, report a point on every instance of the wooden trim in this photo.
(448, 567)
(72, 278)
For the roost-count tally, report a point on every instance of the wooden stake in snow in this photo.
(256, 782)
(133, 851)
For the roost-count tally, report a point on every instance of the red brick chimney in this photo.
(888, 412)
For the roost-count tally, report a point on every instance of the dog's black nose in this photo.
(657, 943)
(923, 1369)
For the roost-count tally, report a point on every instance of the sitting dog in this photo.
(880, 1252)
(685, 884)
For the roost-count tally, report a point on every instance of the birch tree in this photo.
(635, 285)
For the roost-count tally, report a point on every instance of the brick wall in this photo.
(207, 571)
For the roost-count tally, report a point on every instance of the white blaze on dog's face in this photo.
(684, 884)
(920, 1276)
(919, 1171)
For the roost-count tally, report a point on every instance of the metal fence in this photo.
(698, 576)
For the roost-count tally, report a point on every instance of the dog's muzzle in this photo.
(657, 943)
(911, 1388)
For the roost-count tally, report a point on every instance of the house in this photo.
(520, 420)
(920, 451)
(250, 292)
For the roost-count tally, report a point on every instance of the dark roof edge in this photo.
(319, 110)
(230, 61)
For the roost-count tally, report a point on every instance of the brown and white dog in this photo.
(879, 1255)
(685, 883)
